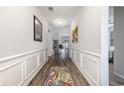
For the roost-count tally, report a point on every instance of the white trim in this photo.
(27, 76)
(90, 59)
(12, 65)
(25, 79)
(119, 75)
(9, 66)
(35, 73)
(30, 74)
(88, 78)
(87, 52)
(22, 78)
(98, 73)
(94, 59)
(38, 59)
(24, 69)
(44, 55)
(23, 74)
(28, 57)
(103, 66)
(19, 55)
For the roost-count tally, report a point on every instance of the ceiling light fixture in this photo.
(60, 21)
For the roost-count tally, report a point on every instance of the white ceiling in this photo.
(66, 13)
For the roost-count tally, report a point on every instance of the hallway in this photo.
(61, 60)
(39, 32)
(66, 46)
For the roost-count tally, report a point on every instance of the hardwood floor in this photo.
(59, 60)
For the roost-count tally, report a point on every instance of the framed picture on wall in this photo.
(37, 29)
(75, 35)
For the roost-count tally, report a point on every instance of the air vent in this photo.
(50, 9)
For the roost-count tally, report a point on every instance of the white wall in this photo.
(88, 20)
(86, 53)
(20, 56)
(119, 41)
(16, 31)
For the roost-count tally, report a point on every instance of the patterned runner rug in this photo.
(59, 76)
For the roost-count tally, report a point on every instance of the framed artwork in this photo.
(37, 29)
(75, 35)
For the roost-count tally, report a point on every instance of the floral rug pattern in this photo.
(59, 76)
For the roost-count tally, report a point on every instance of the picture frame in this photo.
(38, 29)
(75, 35)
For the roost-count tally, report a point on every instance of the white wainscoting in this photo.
(88, 63)
(21, 69)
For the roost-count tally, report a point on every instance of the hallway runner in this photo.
(59, 76)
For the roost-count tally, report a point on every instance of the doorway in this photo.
(116, 52)
(64, 42)
(56, 47)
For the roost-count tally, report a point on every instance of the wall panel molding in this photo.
(9, 73)
(30, 61)
(22, 66)
(88, 63)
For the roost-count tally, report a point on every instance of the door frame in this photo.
(104, 65)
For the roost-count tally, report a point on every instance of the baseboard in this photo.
(121, 76)
(89, 80)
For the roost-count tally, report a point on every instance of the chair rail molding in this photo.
(87, 52)
(20, 55)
